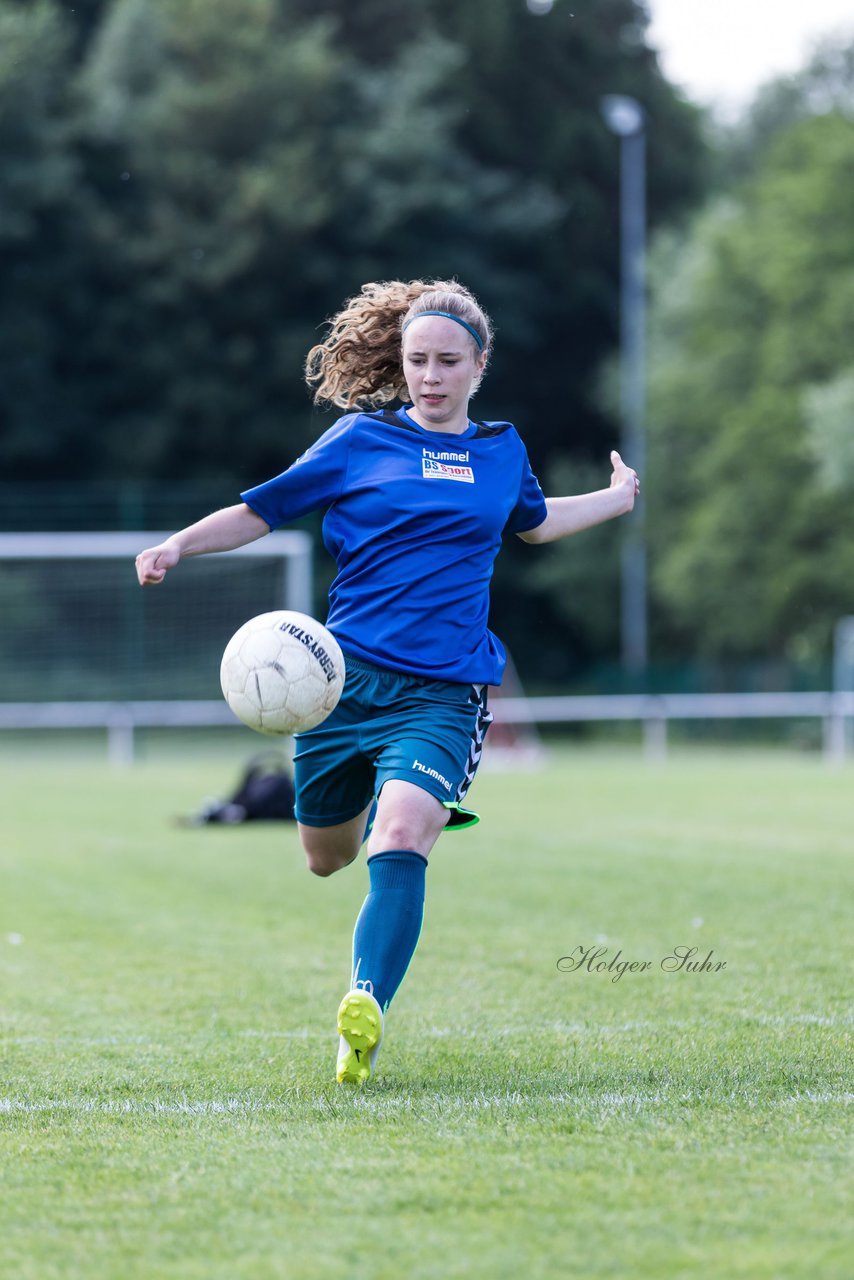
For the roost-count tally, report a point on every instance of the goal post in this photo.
(79, 637)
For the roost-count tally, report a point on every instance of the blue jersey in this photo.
(414, 521)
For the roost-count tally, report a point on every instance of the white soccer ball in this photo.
(282, 672)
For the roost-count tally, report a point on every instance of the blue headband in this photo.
(448, 315)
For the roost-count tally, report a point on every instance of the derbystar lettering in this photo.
(314, 648)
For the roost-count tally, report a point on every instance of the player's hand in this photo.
(152, 565)
(623, 477)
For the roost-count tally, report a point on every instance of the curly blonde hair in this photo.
(359, 365)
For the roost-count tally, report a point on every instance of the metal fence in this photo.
(654, 712)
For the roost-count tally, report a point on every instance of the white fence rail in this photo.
(653, 711)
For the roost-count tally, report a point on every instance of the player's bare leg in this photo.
(328, 849)
(407, 818)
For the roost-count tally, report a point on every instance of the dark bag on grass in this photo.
(265, 794)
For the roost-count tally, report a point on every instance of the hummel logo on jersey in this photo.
(446, 465)
(449, 455)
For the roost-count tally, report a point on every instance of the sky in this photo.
(720, 51)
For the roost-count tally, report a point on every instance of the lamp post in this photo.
(624, 116)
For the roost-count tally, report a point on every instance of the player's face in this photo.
(442, 366)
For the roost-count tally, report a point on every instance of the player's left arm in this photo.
(584, 510)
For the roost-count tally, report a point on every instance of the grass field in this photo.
(167, 1106)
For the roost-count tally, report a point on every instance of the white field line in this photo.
(803, 1019)
(663, 1024)
(299, 1033)
(320, 1035)
(496, 1103)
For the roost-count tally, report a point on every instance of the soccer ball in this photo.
(282, 672)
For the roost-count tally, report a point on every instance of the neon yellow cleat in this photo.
(360, 1025)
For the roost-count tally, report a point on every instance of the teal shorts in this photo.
(390, 725)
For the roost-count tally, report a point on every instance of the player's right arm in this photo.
(220, 531)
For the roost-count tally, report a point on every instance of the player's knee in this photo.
(407, 818)
(328, 849)
(324, 856)
(405, 831)
(327, 865)
(398, 832)
(316, 863)
(320, 867)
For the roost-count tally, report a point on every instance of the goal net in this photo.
(76, 627)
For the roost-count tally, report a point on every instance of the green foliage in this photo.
(37, 169)
(826, 84)
(188, 189)
(535, 86)
(217, 178)
(38, 173)
(829, 417)
(213, 120)
(752, 320)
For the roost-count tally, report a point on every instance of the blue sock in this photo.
(389, 923)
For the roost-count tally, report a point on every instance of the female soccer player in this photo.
(417, 500)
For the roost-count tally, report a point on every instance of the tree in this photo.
(38, 174)
(824, 85)
(751, 552)
(215, 179)
(238, 186)
(526, 96)
(213, 117)
(829, 419)
(240, 168)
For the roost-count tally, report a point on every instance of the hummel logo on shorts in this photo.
(431, 773)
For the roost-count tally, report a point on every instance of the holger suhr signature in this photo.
(679, 960)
